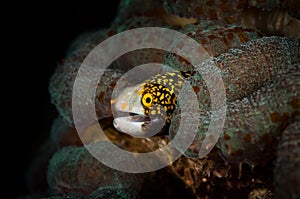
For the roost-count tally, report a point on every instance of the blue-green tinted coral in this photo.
(73, 170)
(215, 9)
(271, 17)
(121, 191)
(61, 82)
(215, 36)
(262, 92)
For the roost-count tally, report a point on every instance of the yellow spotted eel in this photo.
(149, 103)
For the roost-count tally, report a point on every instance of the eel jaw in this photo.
(135, 123)
(131, 125)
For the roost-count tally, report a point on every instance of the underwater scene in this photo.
(177, 99)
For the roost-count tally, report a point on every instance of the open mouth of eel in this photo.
(139, 118)
(137, 125)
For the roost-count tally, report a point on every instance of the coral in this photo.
(254, 123)
(255, 114)
(138, 57)
(272, 17)
(61, 82)
(61, 85)
(216, 37)
(287, 170)
(261, 76)
(207, 9)
(274, 22)
(115, 192)
(214, 9)
(74, 170)
(211, 177)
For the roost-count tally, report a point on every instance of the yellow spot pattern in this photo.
(163, 90)
(124, 105)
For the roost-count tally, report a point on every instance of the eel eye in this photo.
(147, 100)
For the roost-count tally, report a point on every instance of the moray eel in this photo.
(148, 106)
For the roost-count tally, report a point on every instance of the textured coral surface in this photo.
(259, 62)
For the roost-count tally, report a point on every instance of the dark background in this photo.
(38, 37)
